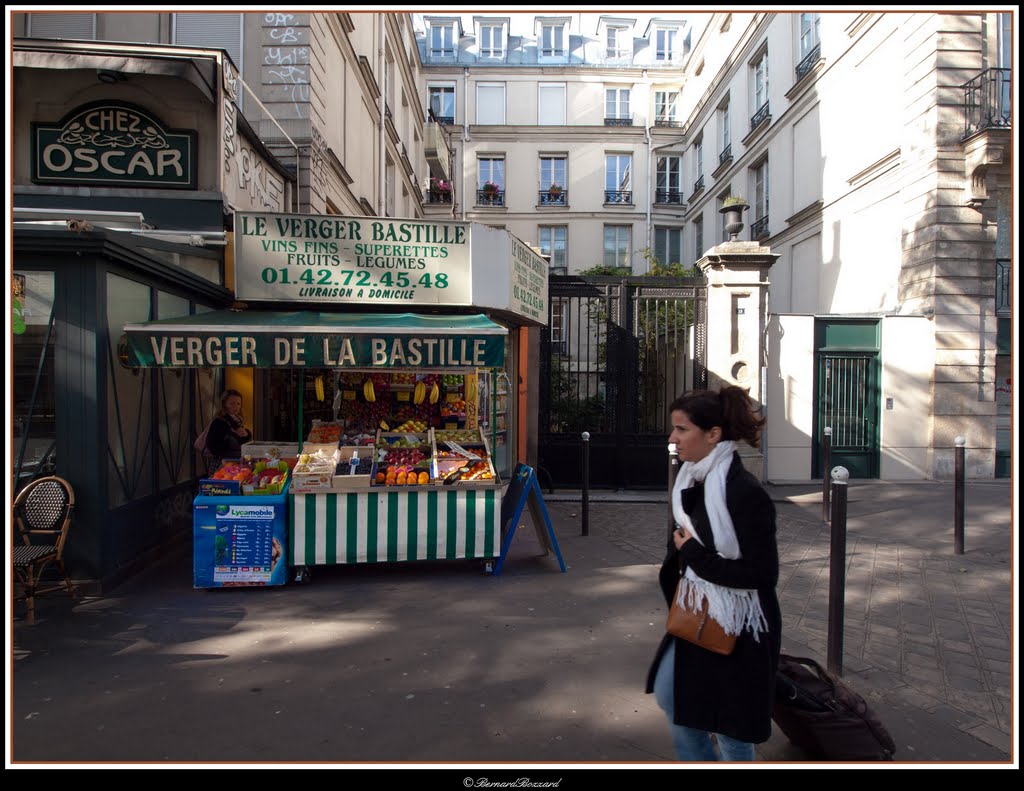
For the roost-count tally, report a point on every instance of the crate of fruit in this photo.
(324, 432)
(227, 480)
(400, 475)
(267, 478)
(450, 456)
(474, 473)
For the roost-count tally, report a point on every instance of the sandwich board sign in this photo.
(524, 491)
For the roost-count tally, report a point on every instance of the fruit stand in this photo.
(404, 469)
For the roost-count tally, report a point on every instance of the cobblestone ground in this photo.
(927, 629)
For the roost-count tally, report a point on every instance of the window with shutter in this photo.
(490, 103)
(217, 31)
(551, 111)
(73, 26)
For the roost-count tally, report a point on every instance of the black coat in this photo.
(221, 439)
(731, 694)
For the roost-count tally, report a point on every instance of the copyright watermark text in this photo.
(520, 782)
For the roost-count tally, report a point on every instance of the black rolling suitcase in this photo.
(824, 717)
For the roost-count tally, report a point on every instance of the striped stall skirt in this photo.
(385, 527)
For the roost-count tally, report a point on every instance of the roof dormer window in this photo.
(492, 40)
(616, 33)
(552, 37)
(670, 44)
(443, 37)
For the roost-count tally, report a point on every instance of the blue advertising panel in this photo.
(239, 540)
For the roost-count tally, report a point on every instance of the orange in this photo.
(380, 477)
(424, 478)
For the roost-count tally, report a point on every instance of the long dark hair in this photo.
(731, 408)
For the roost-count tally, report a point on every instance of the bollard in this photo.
(837, 571)
(958, 495)
(826, 464)
(673, 471)
(586, 483)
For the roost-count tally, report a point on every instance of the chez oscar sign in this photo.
(113, 143)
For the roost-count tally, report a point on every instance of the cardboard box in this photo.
(312, 448)
(312, 482)
(213, 487)
(270, 450)
(350, 483)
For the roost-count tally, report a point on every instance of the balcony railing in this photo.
(1003, 303)
(487, 198)
(618, 196)
(618, 121)
(759, 228)
(698, 185)
(443, 119)
(760, 116)
(438, 197)
(726, 155)
(808, 62)
(987, 102)
(668, 196)
(548, 198)
(668, 122)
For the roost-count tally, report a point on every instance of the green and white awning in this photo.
(311, 339)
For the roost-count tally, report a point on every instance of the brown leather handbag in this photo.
(698, 627)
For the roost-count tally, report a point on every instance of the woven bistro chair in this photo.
(42, 514)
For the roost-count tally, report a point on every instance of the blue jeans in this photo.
(692, 744)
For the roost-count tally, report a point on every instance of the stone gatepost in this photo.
(737, 274)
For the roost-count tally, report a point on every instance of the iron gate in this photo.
(614, 355)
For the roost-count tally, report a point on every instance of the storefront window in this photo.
(172, 407)
(129, 399)
(33, 343)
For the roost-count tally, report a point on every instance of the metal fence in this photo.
(616, 352)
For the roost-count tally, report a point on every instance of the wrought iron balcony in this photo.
(1003, 302)
(759, 228)
(618, 196)
(618, 121)
(726, 155)
(443, 119)
(698, 185)
(668, 122)
(438, 197)
(487, 198)
(668, 196)
(549, 198)
(808, 62)
(760, 116)
(987, 102)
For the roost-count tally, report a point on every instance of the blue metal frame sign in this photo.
(524, 490)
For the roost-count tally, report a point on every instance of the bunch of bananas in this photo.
(470, 388)
(419, 393)
(320, 388)
(435, 393)
(368, 393)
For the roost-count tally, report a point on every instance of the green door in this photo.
(847, 385)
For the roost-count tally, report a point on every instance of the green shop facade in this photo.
(125, 179)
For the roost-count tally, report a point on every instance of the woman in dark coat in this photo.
(227, 434)
(724, 547)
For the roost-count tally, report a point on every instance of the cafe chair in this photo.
(43, 511)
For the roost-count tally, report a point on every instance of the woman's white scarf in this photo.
(735, 609)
